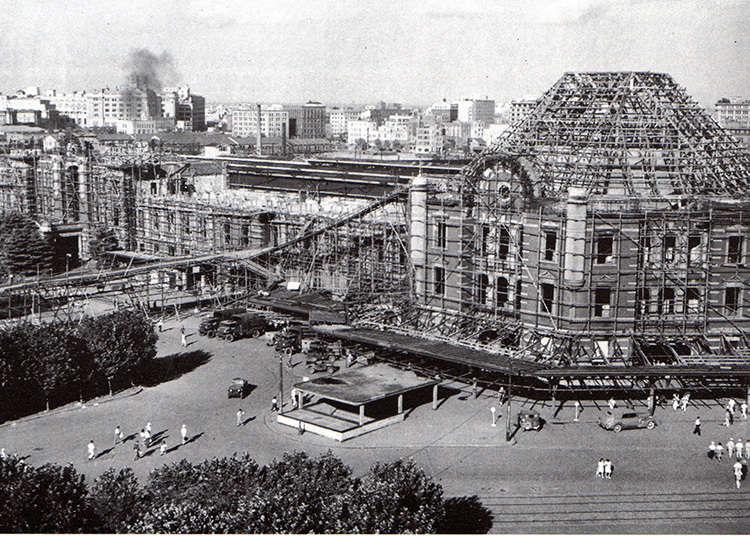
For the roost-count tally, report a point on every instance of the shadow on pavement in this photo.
(194, 438)
(465, 515)
(173, 366)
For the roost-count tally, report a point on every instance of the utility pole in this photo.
(281, 382)
(507, 405)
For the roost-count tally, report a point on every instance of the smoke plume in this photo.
(147, 70)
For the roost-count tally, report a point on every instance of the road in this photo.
(544, 482)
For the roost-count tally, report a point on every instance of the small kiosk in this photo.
(355, 402)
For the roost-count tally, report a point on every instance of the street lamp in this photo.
(67, 261)
(494, 420)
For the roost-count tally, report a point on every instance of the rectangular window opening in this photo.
(732, 301)
(670, 241)
(550, 245)
(734, 251)
(439, 280)
(604, 249)
(548, 297)
(602, 302)
(440, 239)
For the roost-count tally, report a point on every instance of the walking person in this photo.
(118, 433)
(719, 451)
(183, 433)
(685, 401)
(697, 428)
(730, 447)
(183, 339)
(274, 404)
(163, 448)
(92, 449)
(738, 448)
(147, 437)
(612, 403)
(737, 473)
(712, 451)
(600, 468)
(743, 410)
(608, 469)
(675, 401)
(240, 417)
(160, 325)
(731, 404)
(726, 417)
(148, 427)
(137, 450)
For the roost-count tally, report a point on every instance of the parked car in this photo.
(238, 388)
(529, 419)
(209, 325)
(243, 325)
(621, 419)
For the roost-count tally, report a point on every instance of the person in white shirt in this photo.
(608, 469)
(600, 468)
(92, 450)
(730, 447)
(739, 447)
(737, 473)
(719, 451)
(712, 450)
(183, 432)
(743, 409)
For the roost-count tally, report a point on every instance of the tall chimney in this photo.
(258, 147)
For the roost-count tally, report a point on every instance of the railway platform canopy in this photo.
(357, 401)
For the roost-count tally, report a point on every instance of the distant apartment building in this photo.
(734, 115)
(105, 107)
(443, 112)
(338, 119)
(274, 121)
(307, 120)
(519, 109)
(381, 112)
(187, 109)
(470, 110)
(72, 107)
(361, 129)
(430, 139)
(398, 128)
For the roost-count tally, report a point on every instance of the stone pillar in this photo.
(418, 234)
(575, 237)
(435, 396)
(362, 415)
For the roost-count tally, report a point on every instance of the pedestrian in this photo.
(738, 448)
(685, 400)
(608, 469)
(122, 436)
(147, 438)
(731, 417)
(712, 451)
(730, 447)
(612, 403)
(183, 432)
(118, 433)
(137, 450)
(675, 401)
(163, 448)
(726, 417)
(697, 428)
(731, 404)
(240, 417)
(160, 324)
(92, 449)
(743, 410)
(142, 435)
(600, 468)
(274, 404)
(183, 339)
(148, 427)
(719, 451)
(737, 473)
(501, 395)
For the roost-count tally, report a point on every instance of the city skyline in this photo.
(357, 53)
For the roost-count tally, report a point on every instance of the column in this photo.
(435, 396)
(400, 404)
(361, 414)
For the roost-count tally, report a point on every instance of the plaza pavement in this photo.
(456, 444)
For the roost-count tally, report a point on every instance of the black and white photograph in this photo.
(349, 267)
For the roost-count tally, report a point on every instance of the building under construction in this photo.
(605, 235)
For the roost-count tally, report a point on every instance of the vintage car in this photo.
(528, 419)
(625, 418)
(238, 388)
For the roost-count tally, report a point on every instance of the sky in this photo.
(341, 52)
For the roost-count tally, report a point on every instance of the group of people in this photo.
(738, 451)
(604, 468)
(144, 441)
(730, 409)
(680, 402)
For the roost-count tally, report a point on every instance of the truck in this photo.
(209, 325)
(241, 325)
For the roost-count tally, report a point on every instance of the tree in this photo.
(392, 497)
(50, 498)
(122, 343)
(361, 144)
(22, 248)
(117, 499)
(104, 239)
